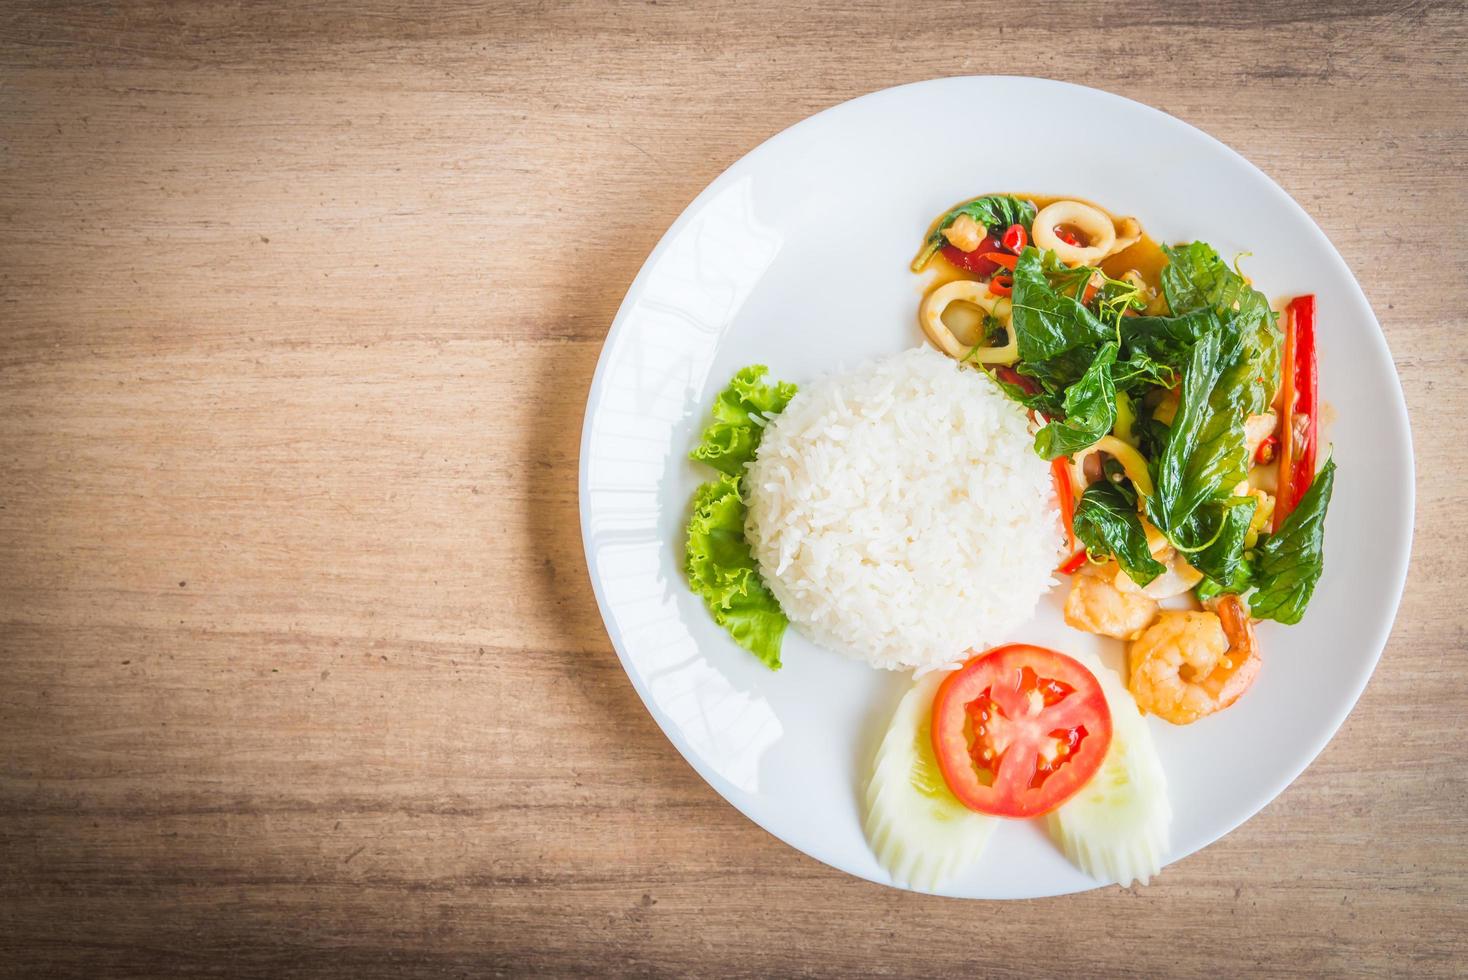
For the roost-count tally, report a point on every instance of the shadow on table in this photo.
(561, 594)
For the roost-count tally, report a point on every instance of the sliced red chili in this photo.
(1014, 238)
(1010, 376)
(1299, 396)
(975, 261)
(1065, 496)
(1073, 563)
(1002, 285)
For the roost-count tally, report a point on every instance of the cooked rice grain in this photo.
(900, 514)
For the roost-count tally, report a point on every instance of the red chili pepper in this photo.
(1066, 236)
(1001, 285)
(1267, 451)
(1073, 564)
(1014, 238)
(1091, 290)
(975, 261)
(1010, 376)
(1065, 496)
(1000, 259)
(1298, 396)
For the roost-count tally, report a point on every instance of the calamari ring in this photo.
(1094, 223)
(930, 315)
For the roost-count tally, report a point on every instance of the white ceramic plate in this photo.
(797, 257)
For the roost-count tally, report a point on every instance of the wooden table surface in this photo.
(300, 670)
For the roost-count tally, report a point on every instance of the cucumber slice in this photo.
(920, 832)
(1117, 827)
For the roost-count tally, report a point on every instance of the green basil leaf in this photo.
(1196, 278)
(1109, 525)
(1220, 561)
(1139, 372)
(1205, 454)
(1046, 322)
(1167, 340)
(1290, 561)
(1089, 407)
(1238, 584)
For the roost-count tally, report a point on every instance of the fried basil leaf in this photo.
(1168, 340)
(1059, 373)
(1205, 454)
(1108, 524)
(1041, 400)
(1140, 372)
(1220, 560)
(1089, 408)
(1048, 323)
(1197, 278)
(1289, 562)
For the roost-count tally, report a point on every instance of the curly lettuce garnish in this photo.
(722, 571)
(719, 565)
(731, 439)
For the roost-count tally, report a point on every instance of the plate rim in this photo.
(1401, 420)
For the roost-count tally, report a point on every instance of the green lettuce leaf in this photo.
(722, 571)
(1289, 562)
(1107, 524)
(718, 561)
(731, 439)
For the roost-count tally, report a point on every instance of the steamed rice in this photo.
(899, 513)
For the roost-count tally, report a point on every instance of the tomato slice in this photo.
(1019, 730)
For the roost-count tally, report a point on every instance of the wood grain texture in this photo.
(300, 672)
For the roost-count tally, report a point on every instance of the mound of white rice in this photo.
(899, 513)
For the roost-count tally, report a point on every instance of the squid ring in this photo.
(1092, 222)
(930, 315)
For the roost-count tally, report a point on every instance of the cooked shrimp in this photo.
(1096, 606)
(1190, 664)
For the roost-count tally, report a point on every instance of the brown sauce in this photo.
(1146, 256)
